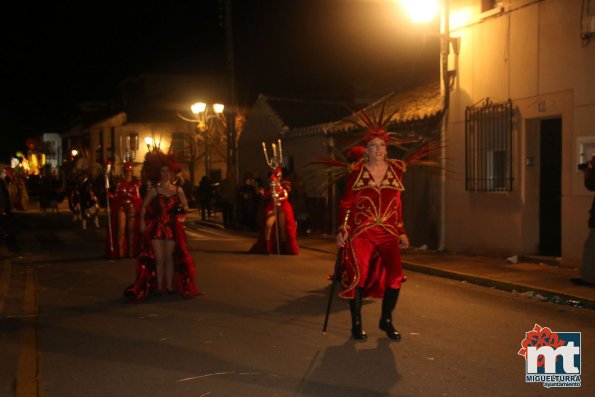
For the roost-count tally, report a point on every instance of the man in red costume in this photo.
(372, 234)
(278, 213)
(125, 204)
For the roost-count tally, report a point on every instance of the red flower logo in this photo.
(539, 337)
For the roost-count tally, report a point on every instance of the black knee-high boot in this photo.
(389, 301)
(355, 305)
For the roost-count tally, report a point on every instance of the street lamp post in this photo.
(423, 11)
(204, 118)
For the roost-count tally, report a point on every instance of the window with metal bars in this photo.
(488, 146)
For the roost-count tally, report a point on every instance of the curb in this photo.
(530, 291)
(520, 289)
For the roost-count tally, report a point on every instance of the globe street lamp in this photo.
(205, 116)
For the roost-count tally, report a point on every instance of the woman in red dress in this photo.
(373, 233)
(277, 212)
(164, 264)
(125, 203)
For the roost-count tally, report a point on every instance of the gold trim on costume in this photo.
(389, 181)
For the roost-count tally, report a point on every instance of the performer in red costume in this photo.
(278, 215)
(164, 264)
(125, 202)
(373, 232)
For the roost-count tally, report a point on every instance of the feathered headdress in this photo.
(412, 151)
(155, 159)
(376, 126)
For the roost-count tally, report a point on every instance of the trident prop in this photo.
(109, 215)
(273, 163)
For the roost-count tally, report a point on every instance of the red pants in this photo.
(378, 259)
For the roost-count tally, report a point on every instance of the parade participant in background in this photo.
(164, 264)
(73, 195)
(278, 233)
(89, 204)
(125, 203)
(373, 232)
(18, 190)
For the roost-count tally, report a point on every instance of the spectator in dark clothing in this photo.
(257, 181)
(588, 266)
(48, 190)
(205, 195)
(5, 204)
(228, 190)
(184, 182)
(248, 203)
(7, 225)
(299, 202)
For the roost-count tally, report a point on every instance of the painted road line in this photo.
(210, 236)
(27, 367)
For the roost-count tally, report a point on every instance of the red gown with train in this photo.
(285, 220)
(163, 221)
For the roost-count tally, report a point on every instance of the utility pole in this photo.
(232, 150)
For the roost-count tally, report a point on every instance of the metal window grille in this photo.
(488, 146)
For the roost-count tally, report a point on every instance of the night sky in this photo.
(60, 54)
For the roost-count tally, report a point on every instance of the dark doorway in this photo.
(550, 191)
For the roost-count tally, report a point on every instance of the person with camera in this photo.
(588, 266)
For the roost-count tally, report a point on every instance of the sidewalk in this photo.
(535, 280)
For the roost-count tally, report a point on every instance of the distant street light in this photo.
(149, 143)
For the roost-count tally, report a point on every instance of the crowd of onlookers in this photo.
(240, 204)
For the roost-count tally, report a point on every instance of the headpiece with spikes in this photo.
(375, 127)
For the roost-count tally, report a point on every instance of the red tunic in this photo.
(372, 256)
(128, 193)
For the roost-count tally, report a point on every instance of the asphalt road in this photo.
(257, 329)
